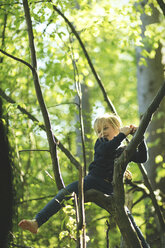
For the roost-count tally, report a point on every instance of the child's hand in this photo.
(126, 130)
(134, 128)
(127, 175)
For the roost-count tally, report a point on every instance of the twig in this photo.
(107, 233)
(35, 199)
(34, 150)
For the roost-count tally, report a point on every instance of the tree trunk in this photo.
(149, 79)
(5, 183)
(89, 151)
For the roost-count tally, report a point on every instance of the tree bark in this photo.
(150, 78)
(115, 204)
(50, 137)
(5, 182)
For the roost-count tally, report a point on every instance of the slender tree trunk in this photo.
(150, 78)
(50, 136)
(5, 183)
(86, 110)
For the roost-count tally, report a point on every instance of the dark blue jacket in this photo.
(106, 151)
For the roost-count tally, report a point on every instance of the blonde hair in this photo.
(112, 119)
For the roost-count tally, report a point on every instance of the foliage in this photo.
(110, 32)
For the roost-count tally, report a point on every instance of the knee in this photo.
(62, 194)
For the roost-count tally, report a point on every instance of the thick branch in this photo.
(122, 161)
(100, 199)
(144, 123)
(51, 140)
(108, 202)
(34, 119)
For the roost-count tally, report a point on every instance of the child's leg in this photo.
(50, 209)
(55, 204)
(30, 225)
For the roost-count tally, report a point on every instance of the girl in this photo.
(107, 148)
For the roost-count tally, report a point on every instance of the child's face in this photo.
(108, 131)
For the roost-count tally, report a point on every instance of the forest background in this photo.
(125, 42)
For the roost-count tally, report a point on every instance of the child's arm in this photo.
(104, 146)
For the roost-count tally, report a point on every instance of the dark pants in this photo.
(90, 182)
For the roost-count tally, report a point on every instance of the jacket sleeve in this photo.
(104, 146)
(141, 154)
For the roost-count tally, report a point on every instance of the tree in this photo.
(53, 93)
(150, 77)
(5, 180)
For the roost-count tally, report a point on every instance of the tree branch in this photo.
(161, 5)
(17, 59)
(3, 34)
(106, 98)
(82, 171)
(50, 137)
(34, 119)
(152, 195)
(122, 161)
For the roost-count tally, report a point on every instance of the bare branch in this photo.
(50, 137)
(34, 119)
(106, 98)
(17, 59)
(152, 195)
(34, 150)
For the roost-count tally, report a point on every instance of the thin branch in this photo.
(136, 187)
(152, 195)
(34, 150)
(35, 199)
(106, 98)
(139, 200)
(35, 120)
(161, 5)
(3, 34)
(81, 242)
(107, 233)
(17, 59)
